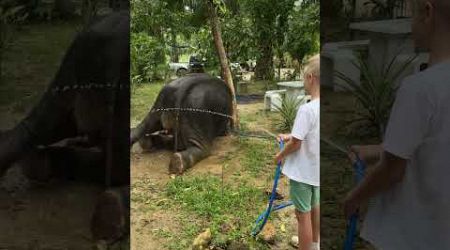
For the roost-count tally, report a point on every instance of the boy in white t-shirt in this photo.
(302, 164)
(410, 185)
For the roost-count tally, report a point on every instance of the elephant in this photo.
(81, 123)
(188, 114)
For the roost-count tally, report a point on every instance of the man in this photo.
(302, 166)
(411, 182)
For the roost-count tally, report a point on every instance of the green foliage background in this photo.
(258, 30)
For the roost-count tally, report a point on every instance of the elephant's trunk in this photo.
(150, 124)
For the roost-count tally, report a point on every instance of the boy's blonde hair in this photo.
(442, 7)
(313, 66)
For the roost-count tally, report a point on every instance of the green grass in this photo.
(31, 61)
(257, 155)
(228, 210)
(142, 99)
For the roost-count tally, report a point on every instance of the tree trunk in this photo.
(215, 27)
(1, 59)
(264, 64)
(175, 54)
(89, 10)
(280, 64)
(1, 65)
(2, 47)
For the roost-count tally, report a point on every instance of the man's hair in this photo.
(313, 65)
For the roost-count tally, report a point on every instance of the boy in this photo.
(411, 182)
(302, 165)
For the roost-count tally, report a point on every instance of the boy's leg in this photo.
(301, 195)
(305, 236)
(315, 222)
(315, 215)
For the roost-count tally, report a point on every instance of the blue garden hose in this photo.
(264, 216)
(359, 167)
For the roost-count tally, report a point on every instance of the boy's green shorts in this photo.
(304, 196)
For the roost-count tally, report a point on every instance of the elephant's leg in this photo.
(49, 121)
(150, 124)
(111, 218)
(15, 143)
(183, 160)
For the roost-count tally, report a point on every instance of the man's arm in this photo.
(389, 171)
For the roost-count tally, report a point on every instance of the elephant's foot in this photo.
(146, 144)
(177, 164)
(181, 161)
(12, 145)
(110, 221)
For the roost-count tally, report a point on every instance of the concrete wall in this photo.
(363, 10)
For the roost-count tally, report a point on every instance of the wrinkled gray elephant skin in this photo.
(89, 97)
(193, 110)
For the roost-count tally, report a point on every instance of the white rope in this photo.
(191, 110)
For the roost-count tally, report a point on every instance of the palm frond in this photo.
(375, 90)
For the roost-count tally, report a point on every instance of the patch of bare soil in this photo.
(54, 217)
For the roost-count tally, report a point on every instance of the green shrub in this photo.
(288, 111)
(375, 92)
(148, 60)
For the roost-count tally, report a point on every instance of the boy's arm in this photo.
(292, 145)
(368, 153)
(300, 128)
(389, 171)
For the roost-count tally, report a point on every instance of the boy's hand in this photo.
(278, 158)
(353, 151)
(351, 205)
(284, 137)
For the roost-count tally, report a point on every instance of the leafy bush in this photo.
(148, 60)
(288, 111)
(376, 91)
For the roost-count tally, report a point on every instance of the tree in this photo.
(164, 19)
(224, 65)
(270, 22)
(211, 7)
(303, 36)
(89, 10)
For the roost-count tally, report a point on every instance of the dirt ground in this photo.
(54, 215)
(153, 168)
